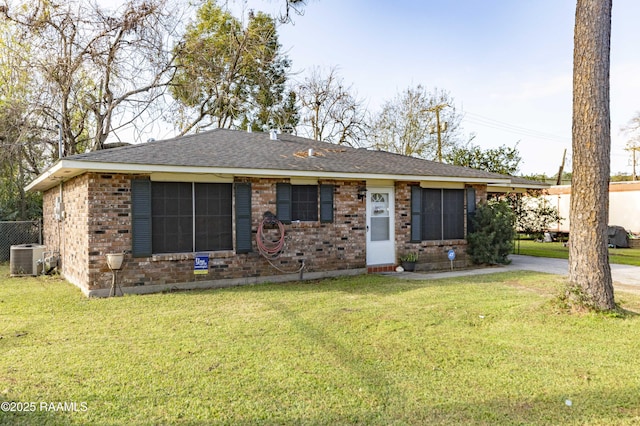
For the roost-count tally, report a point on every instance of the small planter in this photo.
(408, 261)
(114, 261)
(408, 266)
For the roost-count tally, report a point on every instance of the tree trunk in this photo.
(589, 269)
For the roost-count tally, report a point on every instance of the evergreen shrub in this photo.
(491, 241)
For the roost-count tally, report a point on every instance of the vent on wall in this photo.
(25, 259)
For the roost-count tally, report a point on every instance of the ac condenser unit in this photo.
(26, 259)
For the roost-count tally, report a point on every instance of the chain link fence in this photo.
(14, 233)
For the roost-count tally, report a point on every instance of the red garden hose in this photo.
(270, 249)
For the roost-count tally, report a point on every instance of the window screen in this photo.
(213, 217)
(304, 203)
(171, 217)
(442, 216)
(431, 214)
(452, 214)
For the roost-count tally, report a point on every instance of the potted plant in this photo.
(408, 261)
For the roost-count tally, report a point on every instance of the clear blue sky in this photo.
(507, 63)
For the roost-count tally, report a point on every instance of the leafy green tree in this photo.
(229, 74)
(504, 159)
(22, 155)
(289, 116)
(491, 242)
(534, 214)
(417, 123)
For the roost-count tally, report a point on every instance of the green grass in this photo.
(490, 349)
(625, 256)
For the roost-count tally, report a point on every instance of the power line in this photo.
(512, 128)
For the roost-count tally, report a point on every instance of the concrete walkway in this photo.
(625, 277)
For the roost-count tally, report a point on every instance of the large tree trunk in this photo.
(589, 268)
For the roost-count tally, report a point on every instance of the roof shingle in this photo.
(236, 149)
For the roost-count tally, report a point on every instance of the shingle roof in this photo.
(236, 149)
(238, 153)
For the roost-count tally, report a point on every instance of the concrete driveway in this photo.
(622, 274)
(625, 277)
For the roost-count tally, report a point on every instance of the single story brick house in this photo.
(189, 212)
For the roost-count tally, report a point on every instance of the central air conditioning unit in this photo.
(26, 259)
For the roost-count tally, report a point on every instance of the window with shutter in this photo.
(437, 214)
(180, 217)
(304, 203)
(301, 203)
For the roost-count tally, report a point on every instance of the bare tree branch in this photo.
(330, 111)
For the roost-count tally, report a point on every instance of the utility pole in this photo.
(634, 159)
(559, 180)
(437, 108)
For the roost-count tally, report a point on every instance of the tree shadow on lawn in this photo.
(396, 402)
(372, 284)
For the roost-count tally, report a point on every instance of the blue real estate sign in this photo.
(201, 264)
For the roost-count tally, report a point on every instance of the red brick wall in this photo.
(432, 255)
(109, 224)
(106, 220)
(69, 236)
(98, 221)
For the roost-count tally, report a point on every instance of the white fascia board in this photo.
(61, 171)
(513, 187)
(50, 173)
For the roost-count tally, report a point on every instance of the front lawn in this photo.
(625, 256)
(490, 349)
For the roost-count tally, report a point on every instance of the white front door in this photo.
(381, 248)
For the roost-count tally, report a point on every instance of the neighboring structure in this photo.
(189, 211)
(624, 205)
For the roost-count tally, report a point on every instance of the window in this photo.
(452, 214)
(437, 214)
(171, 217)
(213, 216)
(305, 203)
(179, 217)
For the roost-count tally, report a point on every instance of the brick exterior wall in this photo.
(69, 236)
(432, 255)
(98, 221)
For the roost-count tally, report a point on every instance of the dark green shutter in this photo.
(416, 214)
(283, 202)
(471, 209)
(141, 217)
(243, 217)
(326, 203)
